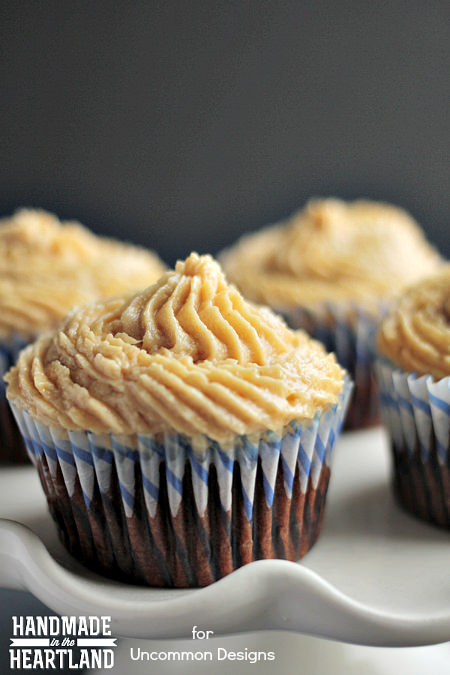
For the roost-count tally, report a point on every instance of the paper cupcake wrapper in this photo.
(416, 411)
(12, 449)
(349, 332)
(179, 511)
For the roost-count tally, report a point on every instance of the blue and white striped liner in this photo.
(12, 449)
(94, 457)
(414, 409)
(348, 330)
(344, 328)
(9, 351)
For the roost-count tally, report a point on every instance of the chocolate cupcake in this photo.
(46, 268)
(331, 269)
(180, 432)
(414, 377)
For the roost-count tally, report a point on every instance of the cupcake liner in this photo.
(349, 331)
(178, 511)
(416, 411)
(12, 449)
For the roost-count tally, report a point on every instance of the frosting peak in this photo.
(204, 266)
(47, 267)
(41, 231)
(332, 250)
(193, 312)
(187, 354)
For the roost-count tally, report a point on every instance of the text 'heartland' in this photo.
(54, 642)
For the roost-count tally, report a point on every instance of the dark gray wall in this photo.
(181, 124)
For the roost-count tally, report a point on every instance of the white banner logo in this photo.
(55, 642)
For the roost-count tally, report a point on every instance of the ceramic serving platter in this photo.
(376, 576)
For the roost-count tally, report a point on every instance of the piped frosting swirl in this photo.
(416, 333)
(332, 250)
(187, 355)
(48, 267)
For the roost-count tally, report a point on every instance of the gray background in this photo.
(180, 125)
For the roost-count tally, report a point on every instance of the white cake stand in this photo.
(375, 577)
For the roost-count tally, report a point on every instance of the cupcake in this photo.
(46, 268)
(331, 269)
(180, 432)
(413, 370)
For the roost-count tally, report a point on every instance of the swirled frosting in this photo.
(188, 354)
(331, 250)
(416, 333)
(47, 267)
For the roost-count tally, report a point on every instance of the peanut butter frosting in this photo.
(186, 355)
(332, 251)
(416, 333)
(47, 267)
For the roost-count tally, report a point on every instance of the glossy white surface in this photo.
(376, 576)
